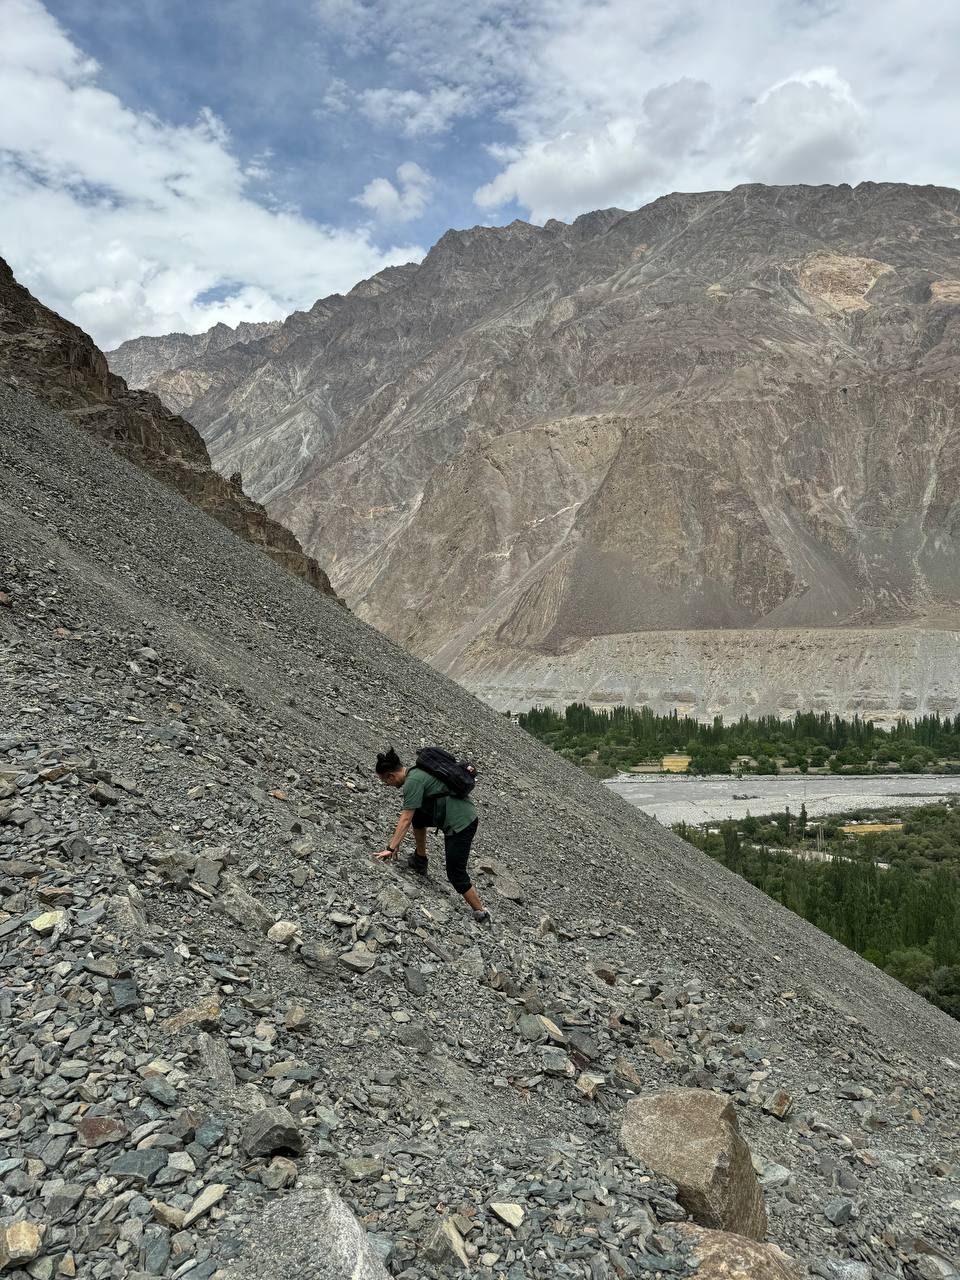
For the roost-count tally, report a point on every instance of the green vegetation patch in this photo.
(892, 896)
(606, 742)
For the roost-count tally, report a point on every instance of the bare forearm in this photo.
(401, 829)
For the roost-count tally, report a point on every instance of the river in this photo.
(674, 798)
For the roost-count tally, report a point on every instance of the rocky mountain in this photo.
(139, 360)
(47, 355)
(234, 1046)
(612, 458)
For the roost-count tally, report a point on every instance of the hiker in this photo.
(429, 802)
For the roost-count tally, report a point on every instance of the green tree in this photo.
(911, 966)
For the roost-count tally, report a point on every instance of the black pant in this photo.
(456, 846)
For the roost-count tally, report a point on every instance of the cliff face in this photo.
(723, 412)
(140, 360)
(57, 362)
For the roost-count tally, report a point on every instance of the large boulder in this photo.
(721, 1255)
(691, 1136)
(311, 1233)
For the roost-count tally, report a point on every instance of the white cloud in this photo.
(415, 114)
(616, 103)
(124, 223)
(809, 128)
(403, 202)
(561, 176)
(616, 162)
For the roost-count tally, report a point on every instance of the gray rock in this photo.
(271, 1131)
(140, 1167)
(160, 1090)
(839, 1211)
(414, 981)
(359, 960)
(125, 994)
(392, 903)
(215, 1060)
(841, 1269)
(318, 958)
(412, 1036)
(316, 1235)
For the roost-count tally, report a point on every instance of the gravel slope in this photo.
(215, 720)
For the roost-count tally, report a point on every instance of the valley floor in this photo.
(672, 798)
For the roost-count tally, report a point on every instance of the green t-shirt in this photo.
(421, 790)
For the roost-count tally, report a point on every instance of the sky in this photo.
(166, 165)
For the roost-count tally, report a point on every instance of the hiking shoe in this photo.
(420, 865)
(481, 917)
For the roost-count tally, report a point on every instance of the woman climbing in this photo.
(429, 802)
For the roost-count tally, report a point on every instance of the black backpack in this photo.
(458, 776)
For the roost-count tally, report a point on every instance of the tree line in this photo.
(607, 740)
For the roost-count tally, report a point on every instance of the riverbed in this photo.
(674, 798)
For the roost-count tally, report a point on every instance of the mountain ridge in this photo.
(58, 362)
(682, 417)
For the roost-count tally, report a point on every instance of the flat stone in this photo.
(316, 1236)
(691, 1137)
(49, 921)
(392, 903)
(359, 1168)
(281, 1172)
(663, 1049)
(556, 1063)
(98, 1131)
(839, 1211)
(414, 981)
(511, 1214)
(553, 1031)
(168, 1214)
(161, 1090)
(205, 1201)
(19, 1244)
(215, 1057)
(139, 1166)
(296, 1019)
(243, 908)
(359, 960)
(205, 1014)
(628, 1073)
(531, 1028)
(416, 1037)
(779, 1104)
(104, 794)
(445, 1245)
(125, 994)
(589, 1083)
(318, 957)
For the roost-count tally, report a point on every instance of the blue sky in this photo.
(167, 164)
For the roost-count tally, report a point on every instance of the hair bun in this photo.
(388, 761)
